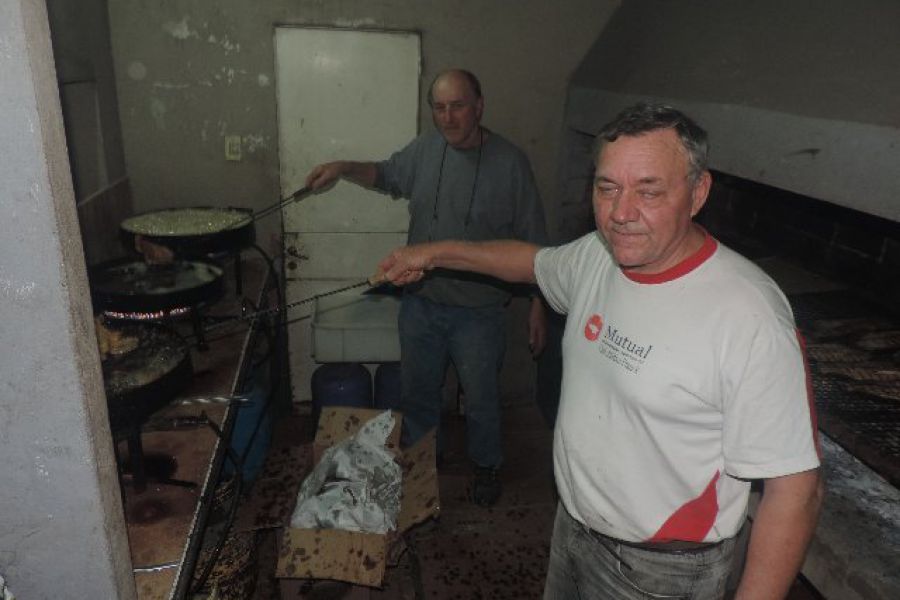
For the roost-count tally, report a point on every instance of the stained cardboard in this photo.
(355, 557)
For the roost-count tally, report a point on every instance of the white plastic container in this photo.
(356, 328)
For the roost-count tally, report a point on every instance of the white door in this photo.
(341, 94)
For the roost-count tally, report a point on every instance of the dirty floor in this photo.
(470, 553)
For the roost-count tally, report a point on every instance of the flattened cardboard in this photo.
(350, 556)
(332, 554)
(419, 495)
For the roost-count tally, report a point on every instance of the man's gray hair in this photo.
(643, 118)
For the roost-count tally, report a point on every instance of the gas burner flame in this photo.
(147, 316)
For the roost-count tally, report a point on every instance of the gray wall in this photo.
(62, 532)
(829, 60)
(87, 89)
(190, 73)
(798, 95)
(84, 68)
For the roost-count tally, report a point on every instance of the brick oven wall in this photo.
(850, 246)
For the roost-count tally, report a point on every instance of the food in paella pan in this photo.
(158, 352)
(111, 342)
(154, 254)
(185, 221)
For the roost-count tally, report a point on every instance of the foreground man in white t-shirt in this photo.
(684, 379)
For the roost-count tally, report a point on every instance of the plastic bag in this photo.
(355, 486)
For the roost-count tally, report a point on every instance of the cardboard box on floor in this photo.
(350, 556)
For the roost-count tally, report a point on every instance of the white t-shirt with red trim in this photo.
(677, 388)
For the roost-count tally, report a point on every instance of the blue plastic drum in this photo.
(387, 386)
(340, 384)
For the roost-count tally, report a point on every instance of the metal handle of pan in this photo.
(295, 197)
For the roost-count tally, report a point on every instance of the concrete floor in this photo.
(470, 552)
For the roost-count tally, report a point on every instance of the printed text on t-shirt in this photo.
(615, 345)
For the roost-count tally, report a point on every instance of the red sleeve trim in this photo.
(810, 395)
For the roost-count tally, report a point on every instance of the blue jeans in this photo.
(433, 334)
(586, 566)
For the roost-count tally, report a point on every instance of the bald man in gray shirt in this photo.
(463, 182)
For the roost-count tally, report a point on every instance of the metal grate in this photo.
(861, 415)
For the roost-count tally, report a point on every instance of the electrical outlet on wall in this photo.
(232, 147)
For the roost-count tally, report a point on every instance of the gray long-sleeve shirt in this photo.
(481, 193)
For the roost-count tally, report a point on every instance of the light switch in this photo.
(232, 147)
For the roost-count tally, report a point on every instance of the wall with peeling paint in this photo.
(191, 73)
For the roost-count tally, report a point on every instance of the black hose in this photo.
(273, 335)
(200, 581)
(272, 272)
(274, 340)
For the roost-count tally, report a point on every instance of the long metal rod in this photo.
(274, 310)
(371, 282)
(295, 197)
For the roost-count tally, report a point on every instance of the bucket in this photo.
(340, 384)
(252, 434)
(387, 386)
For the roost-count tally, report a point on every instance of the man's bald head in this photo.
(467, 78)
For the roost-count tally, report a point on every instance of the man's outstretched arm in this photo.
(509, 260)
(360, 173)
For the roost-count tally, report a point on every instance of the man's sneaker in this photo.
(486, 486)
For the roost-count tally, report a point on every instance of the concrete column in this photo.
(62, 532)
